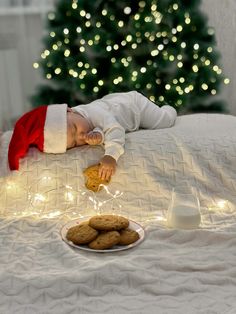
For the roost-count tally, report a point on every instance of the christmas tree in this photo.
(162, 48)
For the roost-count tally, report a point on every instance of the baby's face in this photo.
(77, 127)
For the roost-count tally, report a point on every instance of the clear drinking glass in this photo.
(184, 209)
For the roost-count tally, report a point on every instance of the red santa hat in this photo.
(44, 127)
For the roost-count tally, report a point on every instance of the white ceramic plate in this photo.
(132, 225)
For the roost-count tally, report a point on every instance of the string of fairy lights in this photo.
(82, 69)
(47, 198)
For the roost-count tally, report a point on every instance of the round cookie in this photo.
(105, 240)
(128, 236)
(108, 222)
(81, 234)
(93, 182)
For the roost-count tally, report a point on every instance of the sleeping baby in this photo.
(56, 128)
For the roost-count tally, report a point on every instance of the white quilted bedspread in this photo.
(171, 271)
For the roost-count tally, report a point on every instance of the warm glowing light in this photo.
(82, 13)
(128, 38)
(52, 214)
(179, 28)
(46, 178)
(154, 53)
(88, 16)
(67, 53)
(195, 68)
(204, 86)
(57, 71)
(209, 49)
(187, 20)
(142, 4)
(221, 204)
(175, 6)
(127, 10)
(161, 218)
(120, 23)
(69, 196)
(39, 197)
(154, 7)
(180, 64)
(66, 31)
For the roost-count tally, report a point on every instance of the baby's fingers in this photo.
(89, 139)
(105, 173)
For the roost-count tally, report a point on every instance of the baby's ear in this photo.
(69, 109)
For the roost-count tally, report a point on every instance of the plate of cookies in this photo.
(102, 233)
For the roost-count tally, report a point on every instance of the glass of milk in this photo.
(184, 209)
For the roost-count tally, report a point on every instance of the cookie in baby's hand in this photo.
(92, 179)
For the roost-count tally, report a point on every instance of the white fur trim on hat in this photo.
(55, 129)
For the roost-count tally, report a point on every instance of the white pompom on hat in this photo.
(44, 127)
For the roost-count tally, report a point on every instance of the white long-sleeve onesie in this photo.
(118, 113)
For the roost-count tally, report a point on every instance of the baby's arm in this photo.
(114, 140)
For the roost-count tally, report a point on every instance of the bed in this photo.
(170, 271)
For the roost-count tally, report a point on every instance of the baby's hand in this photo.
(93, 138)
(107, 167)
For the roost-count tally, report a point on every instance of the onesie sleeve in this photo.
(114, 140)
(169, 115)
(114, 133)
